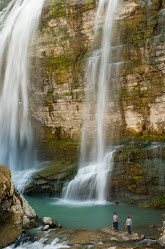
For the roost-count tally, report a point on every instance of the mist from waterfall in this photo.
(18, 25)
(96, 161)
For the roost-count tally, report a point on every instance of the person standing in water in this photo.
(115, 222)
(128, 224)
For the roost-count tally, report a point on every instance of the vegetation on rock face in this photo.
(66, 38)
(67, 35)
(61, 54)
(139, 167)
(3, 4)
(156, 202)
(49, 181)
(53, 148)
(143, 81)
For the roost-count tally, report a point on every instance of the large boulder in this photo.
(15, 212)
(50, 222)
(47, 221)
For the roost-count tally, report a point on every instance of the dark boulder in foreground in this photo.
(15, 212)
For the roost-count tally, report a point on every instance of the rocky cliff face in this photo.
(66, 36)
(15, 212)
(138, 174)
(142, 87)
(139, 168)
(137, 111)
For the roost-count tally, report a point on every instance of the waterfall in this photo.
(96, 161)
(18, 25)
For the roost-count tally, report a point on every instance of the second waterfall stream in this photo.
(96, 161)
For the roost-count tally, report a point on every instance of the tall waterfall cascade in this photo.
(96, 160)
(18, 26)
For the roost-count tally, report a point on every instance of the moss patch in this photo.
(53, 149)
(3, 4)
(157, 202)
(64, 165)
(49, 181)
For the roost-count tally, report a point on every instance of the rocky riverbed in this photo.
(105, 238)
(85, 238)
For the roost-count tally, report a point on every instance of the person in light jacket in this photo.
(115, 222)
(128, 224)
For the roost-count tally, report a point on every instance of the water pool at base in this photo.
(92, 216)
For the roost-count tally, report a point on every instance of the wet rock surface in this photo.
(49, 181)
(138, 166)
(162, 238)
(103, 238)
(15, 212)
(121, 235)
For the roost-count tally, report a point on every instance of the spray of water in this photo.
(39, 245)
(96, 163)
(18, 25)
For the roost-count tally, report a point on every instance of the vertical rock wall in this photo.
(66, 35)
(58, 73)
(137, 110)
(143, 84)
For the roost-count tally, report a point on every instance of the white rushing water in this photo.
(22, 178)
(18, 25)
(90, 181)
(96, 163)
(39, 245)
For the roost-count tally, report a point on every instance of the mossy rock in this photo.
(57, 169)
(49, 181)
(52, 149)
(156, 202)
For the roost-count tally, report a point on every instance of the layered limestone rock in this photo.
(139, 167)
(15, 212)
(142, 88)
(137, 110)
(66, 36)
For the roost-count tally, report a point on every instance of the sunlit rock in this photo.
(47, 221)
(45, 228)
(15, 212)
